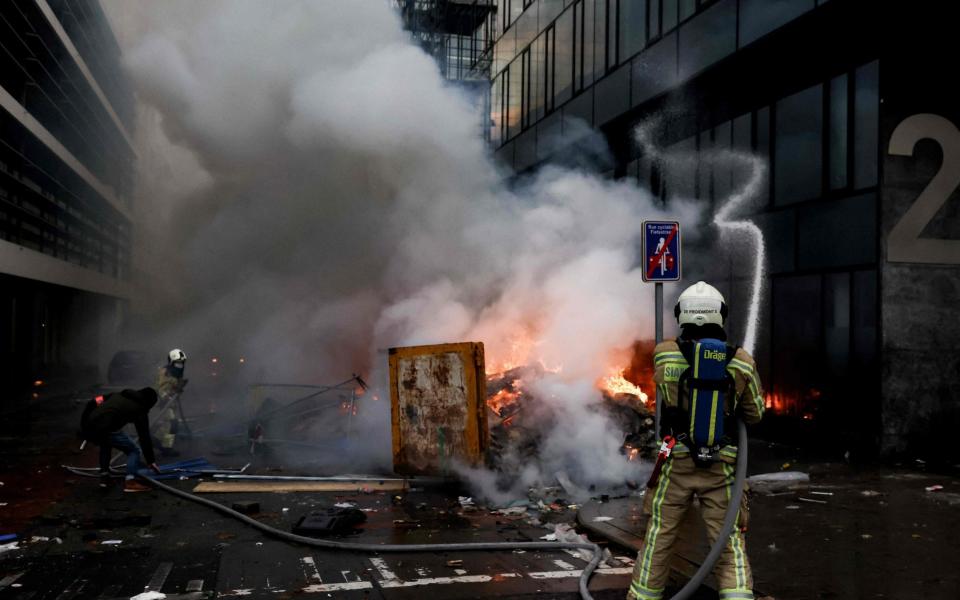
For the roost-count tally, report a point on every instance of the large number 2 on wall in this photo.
(904, 243)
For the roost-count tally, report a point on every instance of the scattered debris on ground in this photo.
(783, 481)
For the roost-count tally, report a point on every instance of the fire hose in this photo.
(685, 592)
(377, 548)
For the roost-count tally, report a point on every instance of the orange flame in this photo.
(615, 383)
(505, 397)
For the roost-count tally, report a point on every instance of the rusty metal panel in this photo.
(437, 396)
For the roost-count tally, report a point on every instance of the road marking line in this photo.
(575, 554)
(310, 569)
(391, 581)
(576, 573)
(194, 585)
(346, 576)
(159, 577)
(564, 565)
(381, 566)
(397, 583)
(9, 579)
(337, 587)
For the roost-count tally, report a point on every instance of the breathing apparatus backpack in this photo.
(699, 420)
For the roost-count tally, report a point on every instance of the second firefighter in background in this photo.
(170, 384)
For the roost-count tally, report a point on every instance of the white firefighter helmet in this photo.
(176, 355)
(700, 304)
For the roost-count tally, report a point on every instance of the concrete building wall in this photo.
(920, 229)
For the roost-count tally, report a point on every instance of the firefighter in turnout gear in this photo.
(704, 383)
(170, 384)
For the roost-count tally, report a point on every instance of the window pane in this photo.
(536, 79)
(839, 233)
(549, 10)
(680, 168)
(779, 229)
(611, 33)
(530, 83)
(514, 85)
(838, 132)
(836, 321)
(866, 118)
(504, 50)
(864, 318)
(742, 126)
(705, 168)
(654, 70)
(687, 8)
(600, 38)
(798, 147)
(516, 7)
(496, 110)
(577, 11)
(588, 42)
(708, 37)
(723, 170)
(669, 14)
(526, 28)
(564, 47)
(796, 325)
(763, 147)
(759, 17)
(654, 18)
(549, 59)
(742, 133)
(633, 27)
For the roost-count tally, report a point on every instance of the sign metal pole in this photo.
(658, 336)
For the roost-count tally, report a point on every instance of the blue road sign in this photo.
(661, 251)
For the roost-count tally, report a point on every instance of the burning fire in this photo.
(506, 397)
(796, 404)
(615, 383)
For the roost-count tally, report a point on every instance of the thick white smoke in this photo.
(326, 195)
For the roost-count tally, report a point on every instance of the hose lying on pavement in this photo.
(308, 541)
(728, 523)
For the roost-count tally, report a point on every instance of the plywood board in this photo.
(227, 487)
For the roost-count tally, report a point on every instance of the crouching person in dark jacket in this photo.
(102, 423)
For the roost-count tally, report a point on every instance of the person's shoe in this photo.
(132, 485)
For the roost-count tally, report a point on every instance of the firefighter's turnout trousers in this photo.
(667, 504)
(165, 423)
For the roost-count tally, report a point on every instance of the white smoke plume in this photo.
(314, 192)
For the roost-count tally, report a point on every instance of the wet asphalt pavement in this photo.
(79, 541)
(875, 533)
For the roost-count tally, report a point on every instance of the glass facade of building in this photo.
(66, 183)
